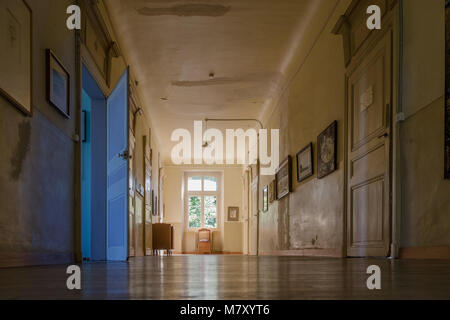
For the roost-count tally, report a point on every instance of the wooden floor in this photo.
(232, 277)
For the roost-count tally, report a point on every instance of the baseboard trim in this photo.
(435, 253)
(27, 259)
(215, 252)
(330, 253)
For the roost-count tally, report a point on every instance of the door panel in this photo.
(117, 186)
(139, 223)
(368, 202)
(254, 212)
(147, 197)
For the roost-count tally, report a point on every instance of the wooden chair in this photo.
(204, 241)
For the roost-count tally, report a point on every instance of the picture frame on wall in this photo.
(83, 126)
(266, 199)
(154, 213)
(447, 93)
(233, 214)
(16, 55)
(305, 163)
(272, 191)
(327, 151)
(283, 178)
(58, 84)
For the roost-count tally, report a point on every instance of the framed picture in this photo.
(272, 191)
(84, 126)
(154, 204)
(233, 214)
(447, 92)
(266, 199)
(305, 163)
(58, 84)
(283, 178)
(327, 151)
(16, 54)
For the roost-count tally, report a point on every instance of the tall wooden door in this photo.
(148, 195)
(254, 213)
(369, 95)
(118, 157)
(246, 210)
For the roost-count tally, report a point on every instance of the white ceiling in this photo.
(173, 46)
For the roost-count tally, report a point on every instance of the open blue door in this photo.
(117, 183)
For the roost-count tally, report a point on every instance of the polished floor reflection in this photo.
(232, 277)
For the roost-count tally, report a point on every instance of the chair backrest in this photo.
(204, 235)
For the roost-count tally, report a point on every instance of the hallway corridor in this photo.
(224, 277)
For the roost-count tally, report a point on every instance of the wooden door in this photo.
(369, 82)
(254, 213)
(148, 195)
(118, 171)
(245, 211)
(139, 225)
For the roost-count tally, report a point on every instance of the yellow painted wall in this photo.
(425, 219)
(185, 241)
(312, 100)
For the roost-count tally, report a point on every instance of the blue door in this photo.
(117, 162)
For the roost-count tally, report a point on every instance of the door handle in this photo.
(125, 155)
(384, 135)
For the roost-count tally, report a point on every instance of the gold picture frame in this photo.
(16, 56)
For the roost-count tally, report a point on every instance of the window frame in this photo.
(202, 194)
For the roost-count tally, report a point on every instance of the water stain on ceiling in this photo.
(187, 10)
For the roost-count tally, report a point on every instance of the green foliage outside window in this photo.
(195, 212)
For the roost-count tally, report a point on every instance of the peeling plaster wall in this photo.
(425, 220)
(312, 216)
(37, 156)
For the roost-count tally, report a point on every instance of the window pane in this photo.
(195, 212)
(210, 184)
(211, 212)
(195, 184)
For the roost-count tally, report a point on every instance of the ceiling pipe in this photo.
(230, 120)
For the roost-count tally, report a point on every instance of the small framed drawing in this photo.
(16, 54)
(283, 178)
(327, 151)
(272, 191)
(58, 84)
(84, 126)
(233, 214)
(266, 199)
(305, 164)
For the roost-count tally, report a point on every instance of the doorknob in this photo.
(124, 155)
(384, 135)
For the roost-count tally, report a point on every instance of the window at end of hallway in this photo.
(202, 200)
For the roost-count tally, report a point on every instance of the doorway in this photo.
(369, 85)
(104, 171)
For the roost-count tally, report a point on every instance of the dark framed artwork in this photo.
(272, 191)
(266, 199)
(283, 178)
(16, 54)
(84, 126)
(327, 151)
(305, 163)
(447, 91)
(58, 84)
(233, 214)
(154, 213)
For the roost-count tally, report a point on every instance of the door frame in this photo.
(83, 57)
(390, 24)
